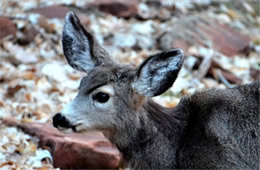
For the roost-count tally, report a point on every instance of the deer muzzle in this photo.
(60, 122)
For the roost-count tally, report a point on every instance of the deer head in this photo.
(111, 95)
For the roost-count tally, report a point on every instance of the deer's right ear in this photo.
(157, 74)
(80, 48)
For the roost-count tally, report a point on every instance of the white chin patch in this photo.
(65, 130)
(80, 128)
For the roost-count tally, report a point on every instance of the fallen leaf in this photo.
(20, 54)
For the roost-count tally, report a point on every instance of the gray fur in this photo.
(158, 73)
(81, 49)
(213, 129)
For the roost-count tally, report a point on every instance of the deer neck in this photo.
(156, 132)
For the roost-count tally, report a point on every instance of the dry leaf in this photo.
(20, 54)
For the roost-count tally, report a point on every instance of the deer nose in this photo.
(59, 120)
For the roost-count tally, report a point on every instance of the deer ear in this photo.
(80, 48)
(157, 74)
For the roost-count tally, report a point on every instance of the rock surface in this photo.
(7, 27)
(55, 11)
(119, 8)
(198, 30)
(73, 151)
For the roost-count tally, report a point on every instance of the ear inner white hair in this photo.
(81, 49)
(158, 73)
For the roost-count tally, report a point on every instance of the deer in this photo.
(213, 128)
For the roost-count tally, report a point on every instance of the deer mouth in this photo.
(78, 128)
(74, 128)
(69, 129)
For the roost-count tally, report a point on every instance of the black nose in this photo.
(59, 120)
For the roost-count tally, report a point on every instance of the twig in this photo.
(204, 67)
(223, 79)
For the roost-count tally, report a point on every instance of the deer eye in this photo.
(101, 97)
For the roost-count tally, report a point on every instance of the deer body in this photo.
(210, 129)
(198, 133)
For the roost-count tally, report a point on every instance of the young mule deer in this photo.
(210, 129)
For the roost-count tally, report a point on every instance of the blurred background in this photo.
(221, 39)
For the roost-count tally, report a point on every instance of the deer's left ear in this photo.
(157, 74)
(81, 49)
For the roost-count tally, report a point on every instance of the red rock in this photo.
(231, 77)
(7, 27)
(55, 11)
(74, 151)
(225, 39)
(119, 8)
(197, 30)
(27, 35)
